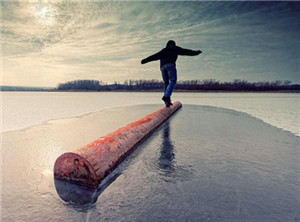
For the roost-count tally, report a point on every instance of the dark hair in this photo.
(171, 43)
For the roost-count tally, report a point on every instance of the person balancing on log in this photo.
(168, 57)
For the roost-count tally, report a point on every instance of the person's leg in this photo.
(172, 74)
(165, 77)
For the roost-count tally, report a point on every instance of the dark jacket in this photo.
(169, 55)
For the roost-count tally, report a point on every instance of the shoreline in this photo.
(151, 91)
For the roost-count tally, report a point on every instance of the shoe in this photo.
(167, 101)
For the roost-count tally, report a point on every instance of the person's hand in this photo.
(143, 61)
(199, 52)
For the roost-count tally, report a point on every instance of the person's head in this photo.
(171, 43)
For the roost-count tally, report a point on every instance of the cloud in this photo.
(58, 41)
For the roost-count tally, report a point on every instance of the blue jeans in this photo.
(169, 75)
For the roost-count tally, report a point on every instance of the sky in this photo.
(45, 43)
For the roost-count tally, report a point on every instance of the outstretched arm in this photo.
(188, 52)
(151, 58)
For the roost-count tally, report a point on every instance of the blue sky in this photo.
(49, 42)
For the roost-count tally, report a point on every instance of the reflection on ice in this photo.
(80, 195)
(74, 193)
(167, 155)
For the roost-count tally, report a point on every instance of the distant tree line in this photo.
(156, 85)
(86, 85)
(186, 85)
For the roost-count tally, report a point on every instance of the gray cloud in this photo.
(56, 41)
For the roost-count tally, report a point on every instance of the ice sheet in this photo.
(204, 163)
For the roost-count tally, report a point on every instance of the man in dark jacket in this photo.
(168, 57)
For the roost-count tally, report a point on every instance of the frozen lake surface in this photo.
(22, 110)
(204, 164)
